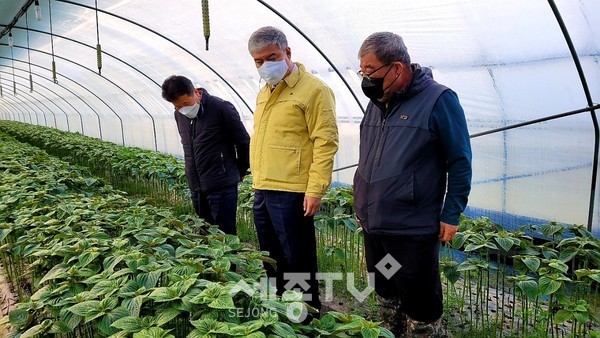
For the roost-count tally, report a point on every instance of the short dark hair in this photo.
(175, 86)
(387, 47)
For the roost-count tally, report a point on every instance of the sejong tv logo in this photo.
(296, 311)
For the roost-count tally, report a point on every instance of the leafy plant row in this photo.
(157, 176)
(506, 285)
(90, 262)
(536, 288)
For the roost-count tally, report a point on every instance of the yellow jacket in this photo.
(295, 136)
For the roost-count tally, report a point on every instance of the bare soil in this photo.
(8, 300)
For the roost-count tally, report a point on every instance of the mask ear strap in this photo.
(391, 84)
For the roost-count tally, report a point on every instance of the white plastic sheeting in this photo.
(508, 60)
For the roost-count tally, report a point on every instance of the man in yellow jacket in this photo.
(291, 160)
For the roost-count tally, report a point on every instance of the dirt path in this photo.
(8, 300)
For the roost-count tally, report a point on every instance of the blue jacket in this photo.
(414, 155)
(215, 145)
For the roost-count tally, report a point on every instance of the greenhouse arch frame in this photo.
(527, 75)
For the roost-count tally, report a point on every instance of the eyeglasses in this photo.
(363, 75)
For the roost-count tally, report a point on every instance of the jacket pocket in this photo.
(360, 189)
(388, 200)
(282, 163)
(404, 189)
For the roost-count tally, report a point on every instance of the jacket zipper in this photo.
(379, 147)
(193, 135)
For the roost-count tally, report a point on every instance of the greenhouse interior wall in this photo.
(527, 74)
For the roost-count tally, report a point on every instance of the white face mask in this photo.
(190, 111)
(273, 71)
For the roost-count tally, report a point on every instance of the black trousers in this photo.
(218, 207)
(417, 283)
(289, 237)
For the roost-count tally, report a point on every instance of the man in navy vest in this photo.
(412, 182)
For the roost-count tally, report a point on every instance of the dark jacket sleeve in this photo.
(241, 139)
(184, 129)
(449, 124)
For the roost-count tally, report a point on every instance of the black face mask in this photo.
(373, 88)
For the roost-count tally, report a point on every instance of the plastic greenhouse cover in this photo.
(508, 60)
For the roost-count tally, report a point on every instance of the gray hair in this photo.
(266, 36)
(387, 47)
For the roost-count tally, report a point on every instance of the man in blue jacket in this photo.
(215, 147)
(412, 182)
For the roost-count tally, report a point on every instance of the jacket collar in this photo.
(295, 76)
(205, 95)
(292, 79)
(422, 78)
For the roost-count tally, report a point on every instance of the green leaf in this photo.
(61, 327)
(107, 320)
(199, 334)
(129, 324)
(350, 224)
(339, 253)
(595, 276)
(122, 272)
(133, 305)
(109, 263)
(149, 279)
(4, 233)
(562, 316)
(291, 296)
(560, 266)
(532, 263)
(548, 286)
(33, 331)
(473, 247)
(58, 271)
(490, 245)
(466, 266)
(505, 243)
(224, 301)
(353, 325)
(18, 317)
(581, 317)
(104, 287)
(153, 332)
(87, 258)
(283, 330)
(369, 332)
(451, 273)
(529, 288)
(85, 309)
(166, 315)
(69, 322)
(164, 294)
(567, 254)
(386, 333)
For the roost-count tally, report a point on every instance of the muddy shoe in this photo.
(393, 319)
(416, 329)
